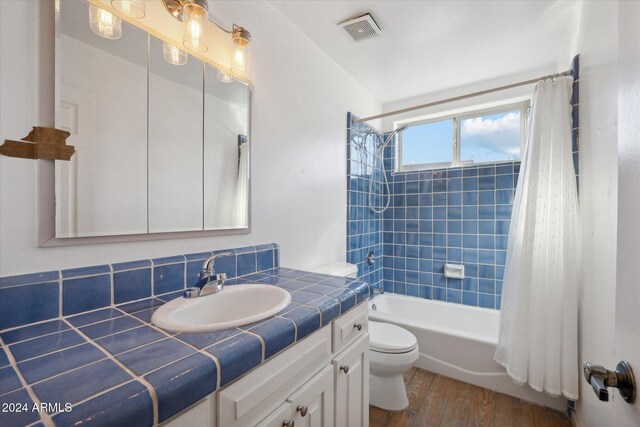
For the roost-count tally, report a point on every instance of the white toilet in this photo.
(392, 352)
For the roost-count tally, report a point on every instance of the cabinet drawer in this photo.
(349, 327)
(250, 399)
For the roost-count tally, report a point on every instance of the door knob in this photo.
(288, 423)
(302, 409)
(344, 368)
(601, 378)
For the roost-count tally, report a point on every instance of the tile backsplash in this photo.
(35, 297)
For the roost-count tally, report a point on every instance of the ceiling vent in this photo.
(361, 28)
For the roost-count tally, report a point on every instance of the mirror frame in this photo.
(45, 116)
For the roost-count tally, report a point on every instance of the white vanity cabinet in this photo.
(321, 381)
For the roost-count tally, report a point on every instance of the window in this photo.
(485, 136)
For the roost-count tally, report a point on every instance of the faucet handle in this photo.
(221, 277)
(192, 292)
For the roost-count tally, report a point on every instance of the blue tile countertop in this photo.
(112, 367)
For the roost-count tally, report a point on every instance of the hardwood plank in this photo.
(378, 417)
(432, 409)
(409, 375)
(435, 400)
(483, 408)
(507, 411)
(458, 407)
(532, 415)
(557, 418)
(417, 391)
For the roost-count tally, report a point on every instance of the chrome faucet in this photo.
(209, 282)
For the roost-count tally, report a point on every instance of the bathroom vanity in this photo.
(305, 365)
(320, 381)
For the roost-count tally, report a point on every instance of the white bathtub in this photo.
(457, 341)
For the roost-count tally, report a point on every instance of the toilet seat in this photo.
(390, 339)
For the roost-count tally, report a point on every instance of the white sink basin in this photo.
(235, 305)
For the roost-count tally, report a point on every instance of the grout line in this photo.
(150, 388)
(45, 418)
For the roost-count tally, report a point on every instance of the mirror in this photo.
(159, 147)
(226, 153)
(102, 100)
(175, 143)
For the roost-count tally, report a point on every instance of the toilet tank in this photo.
(343, 269)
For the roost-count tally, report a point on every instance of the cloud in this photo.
(485, 139)
(484, 126)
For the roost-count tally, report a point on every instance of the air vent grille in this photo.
(361, 28)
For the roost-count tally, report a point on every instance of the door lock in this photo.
(601, 378)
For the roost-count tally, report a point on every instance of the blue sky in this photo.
(483, 139)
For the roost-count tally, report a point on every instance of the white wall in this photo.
(300, 102)
(597, 44)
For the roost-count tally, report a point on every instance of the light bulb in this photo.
(238, 59)
(104, 24)
(241, 51)
(224, 77)
(131, 8)
(173, 55)
(195, 18)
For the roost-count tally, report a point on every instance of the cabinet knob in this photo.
(302, 409)
(358, 326)
(288, 423)
(344, 368)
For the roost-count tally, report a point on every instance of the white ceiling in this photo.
(431, 46)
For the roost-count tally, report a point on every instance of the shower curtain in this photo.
(538, 342)
(242, 189)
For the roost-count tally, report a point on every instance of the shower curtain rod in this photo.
(458, 98)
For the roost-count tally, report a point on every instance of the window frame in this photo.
(522, 106)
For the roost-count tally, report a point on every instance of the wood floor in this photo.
(435, 400)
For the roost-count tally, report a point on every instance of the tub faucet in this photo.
(209, 282)
(378, 291)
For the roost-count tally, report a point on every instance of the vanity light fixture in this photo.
(195, 16)
(104, 23)
(131, 8)
(241, 50)
(173, 55)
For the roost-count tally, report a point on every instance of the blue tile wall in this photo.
(35, 297)
(364, 226)
(454, 215)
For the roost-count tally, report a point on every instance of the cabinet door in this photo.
(313, 402)
(278, 418)
(351, 371)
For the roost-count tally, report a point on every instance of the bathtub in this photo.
(456, 341)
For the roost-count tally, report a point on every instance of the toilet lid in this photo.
(389, 338)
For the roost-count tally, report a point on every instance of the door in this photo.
(313, 402)
(279, 418)
(351, 370)
(627, 330)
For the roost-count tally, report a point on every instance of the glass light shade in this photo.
(240, 57)
(224, 77)
(131, 8)
(173, 55)
(104, 23)
(195, 19)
